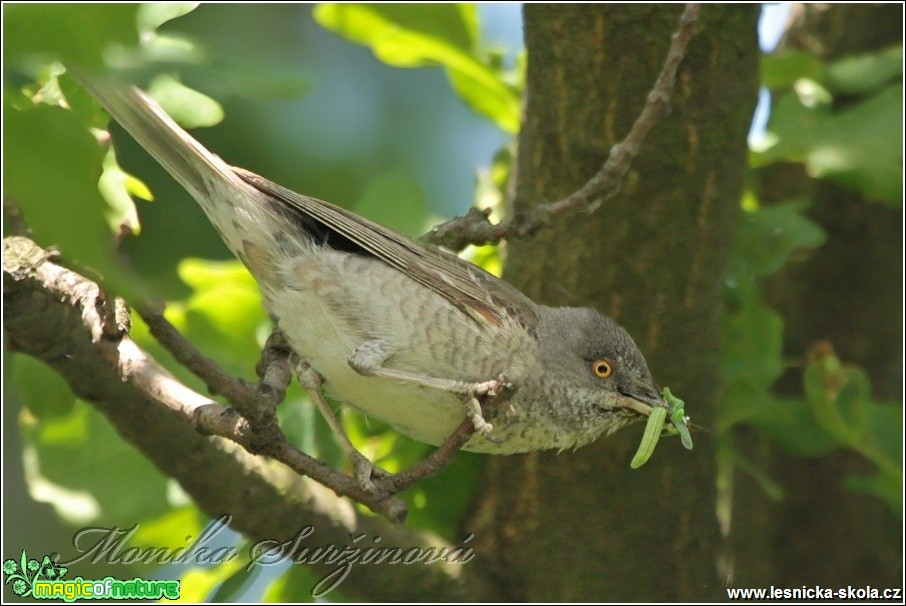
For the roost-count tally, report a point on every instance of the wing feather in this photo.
(483, 297)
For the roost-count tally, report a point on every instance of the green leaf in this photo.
(305, 427)
(839, 397)
(152, 15)
(439, 502)
(791, 425)
(415, 35)
(767, 238)
(82, 466)
(782, 69)
(115, 186)
(753, 347)
(82, 104)
(230, 590)
(486, 93)
(197, 584)
(387, 27)
(202, 275)
(77, 33)
(860, 147)
(858, 74)
(885, 426)
(883, 484)
(190, 108)
(224, 315)
(41, 389)
(170, 529)
(53, 178)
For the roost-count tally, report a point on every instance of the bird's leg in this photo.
(368, 360)
(365, 470)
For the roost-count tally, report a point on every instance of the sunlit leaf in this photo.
(53, 177)
(197, 584)
(224, 314)
(414, 35)
(170, 529)
(190, 108)
(152, 15)
(121, 215)
(204, 275)
(82, 451)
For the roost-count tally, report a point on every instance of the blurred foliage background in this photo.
(315, 99)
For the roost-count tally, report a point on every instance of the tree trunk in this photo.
(583, 526)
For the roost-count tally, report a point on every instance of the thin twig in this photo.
(434, 463)
(215, 378)
(475, 228)
(211, 418)
(252, 421)
(49, 314)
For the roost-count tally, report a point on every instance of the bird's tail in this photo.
(240, 213)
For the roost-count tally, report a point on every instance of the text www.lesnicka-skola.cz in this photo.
(814, 593)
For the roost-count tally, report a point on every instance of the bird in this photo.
(404, 332)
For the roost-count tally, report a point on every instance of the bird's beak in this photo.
(643, 402)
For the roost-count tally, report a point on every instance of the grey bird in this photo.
(406, 333)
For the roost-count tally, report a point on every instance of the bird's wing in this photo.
(211, 181)
(477, 293)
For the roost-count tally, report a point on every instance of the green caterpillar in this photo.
(655, 428)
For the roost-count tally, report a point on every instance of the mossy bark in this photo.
(583, 526)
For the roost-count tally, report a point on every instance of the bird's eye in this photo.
(602, 368)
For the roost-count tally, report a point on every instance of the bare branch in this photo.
(252, 422)
(52, 313)
(433, 463)
(217, 381)
(211, 418)
(259, 434)
(475, 228)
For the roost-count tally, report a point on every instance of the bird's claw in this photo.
(367, 472)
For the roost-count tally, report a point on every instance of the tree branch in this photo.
(57, 316)
(253, 421)
(475, 228)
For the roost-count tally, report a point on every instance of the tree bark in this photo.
(55, 315)
(583, 526)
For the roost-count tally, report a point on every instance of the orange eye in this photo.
(602, 368)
